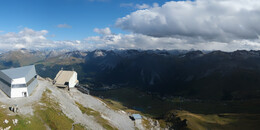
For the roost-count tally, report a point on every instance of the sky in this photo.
(225, 25)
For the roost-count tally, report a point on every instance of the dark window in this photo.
(5, 82)
(66, 83)
(18, 85)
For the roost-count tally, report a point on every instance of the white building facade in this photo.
(66, 79)
(18, 82)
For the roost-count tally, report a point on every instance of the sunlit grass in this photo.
(28, 122)
(51, 114)
(79, 127)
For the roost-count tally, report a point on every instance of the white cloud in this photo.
(140, 41)
(155, 5)
(139, 6)
(210, 20)
(31, 39)
(104, 31)
(63, 26)
(142, 6)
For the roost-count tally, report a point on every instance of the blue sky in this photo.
(82, 15)
(226, 25)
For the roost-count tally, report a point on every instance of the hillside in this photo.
(52, 108)
(222, 87)
(213, 75)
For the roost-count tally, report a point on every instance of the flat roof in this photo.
(63, 76)
(18, 72)
(136, 116)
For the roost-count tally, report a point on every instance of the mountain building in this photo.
(66, 79)
(137, 118)
(18, 82)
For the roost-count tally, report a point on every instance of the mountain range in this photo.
(213, 75)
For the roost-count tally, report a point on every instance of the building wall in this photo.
(18, 92)
(32, 86)
(30, 74)
(19, 81)
(4, 87)
(73, 80)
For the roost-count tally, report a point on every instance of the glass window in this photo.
(5, 82)
(18, 85)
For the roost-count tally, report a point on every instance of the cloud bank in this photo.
(212, 20)
(226, 25)
(31, 39)
(104, 31)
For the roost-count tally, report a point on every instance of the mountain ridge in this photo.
(228, 75)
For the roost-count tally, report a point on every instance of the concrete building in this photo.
(18, 82)
(137, 118)
(66, 79)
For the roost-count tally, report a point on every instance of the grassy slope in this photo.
(48, 115)
(23, 122)
(221, 121)
(51, 114)
(211, 113)
(103, 122)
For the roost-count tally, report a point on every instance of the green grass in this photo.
(221, 121)
(45, 115)
(100, 120)
(35, 123)
(153, 106)
(79, 127)
(51, 115)
(146, 124)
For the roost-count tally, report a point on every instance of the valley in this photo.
(211, 90)
(199, 114)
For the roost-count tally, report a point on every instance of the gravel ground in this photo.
(118, 119)
(24, 104)
(68, 106)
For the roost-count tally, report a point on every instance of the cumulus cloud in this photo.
(139, 6)
(31, 39)
(141, 41)
(210, 20)
(142, 6)
(103, 31)
(63, 26)
(132, 41)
